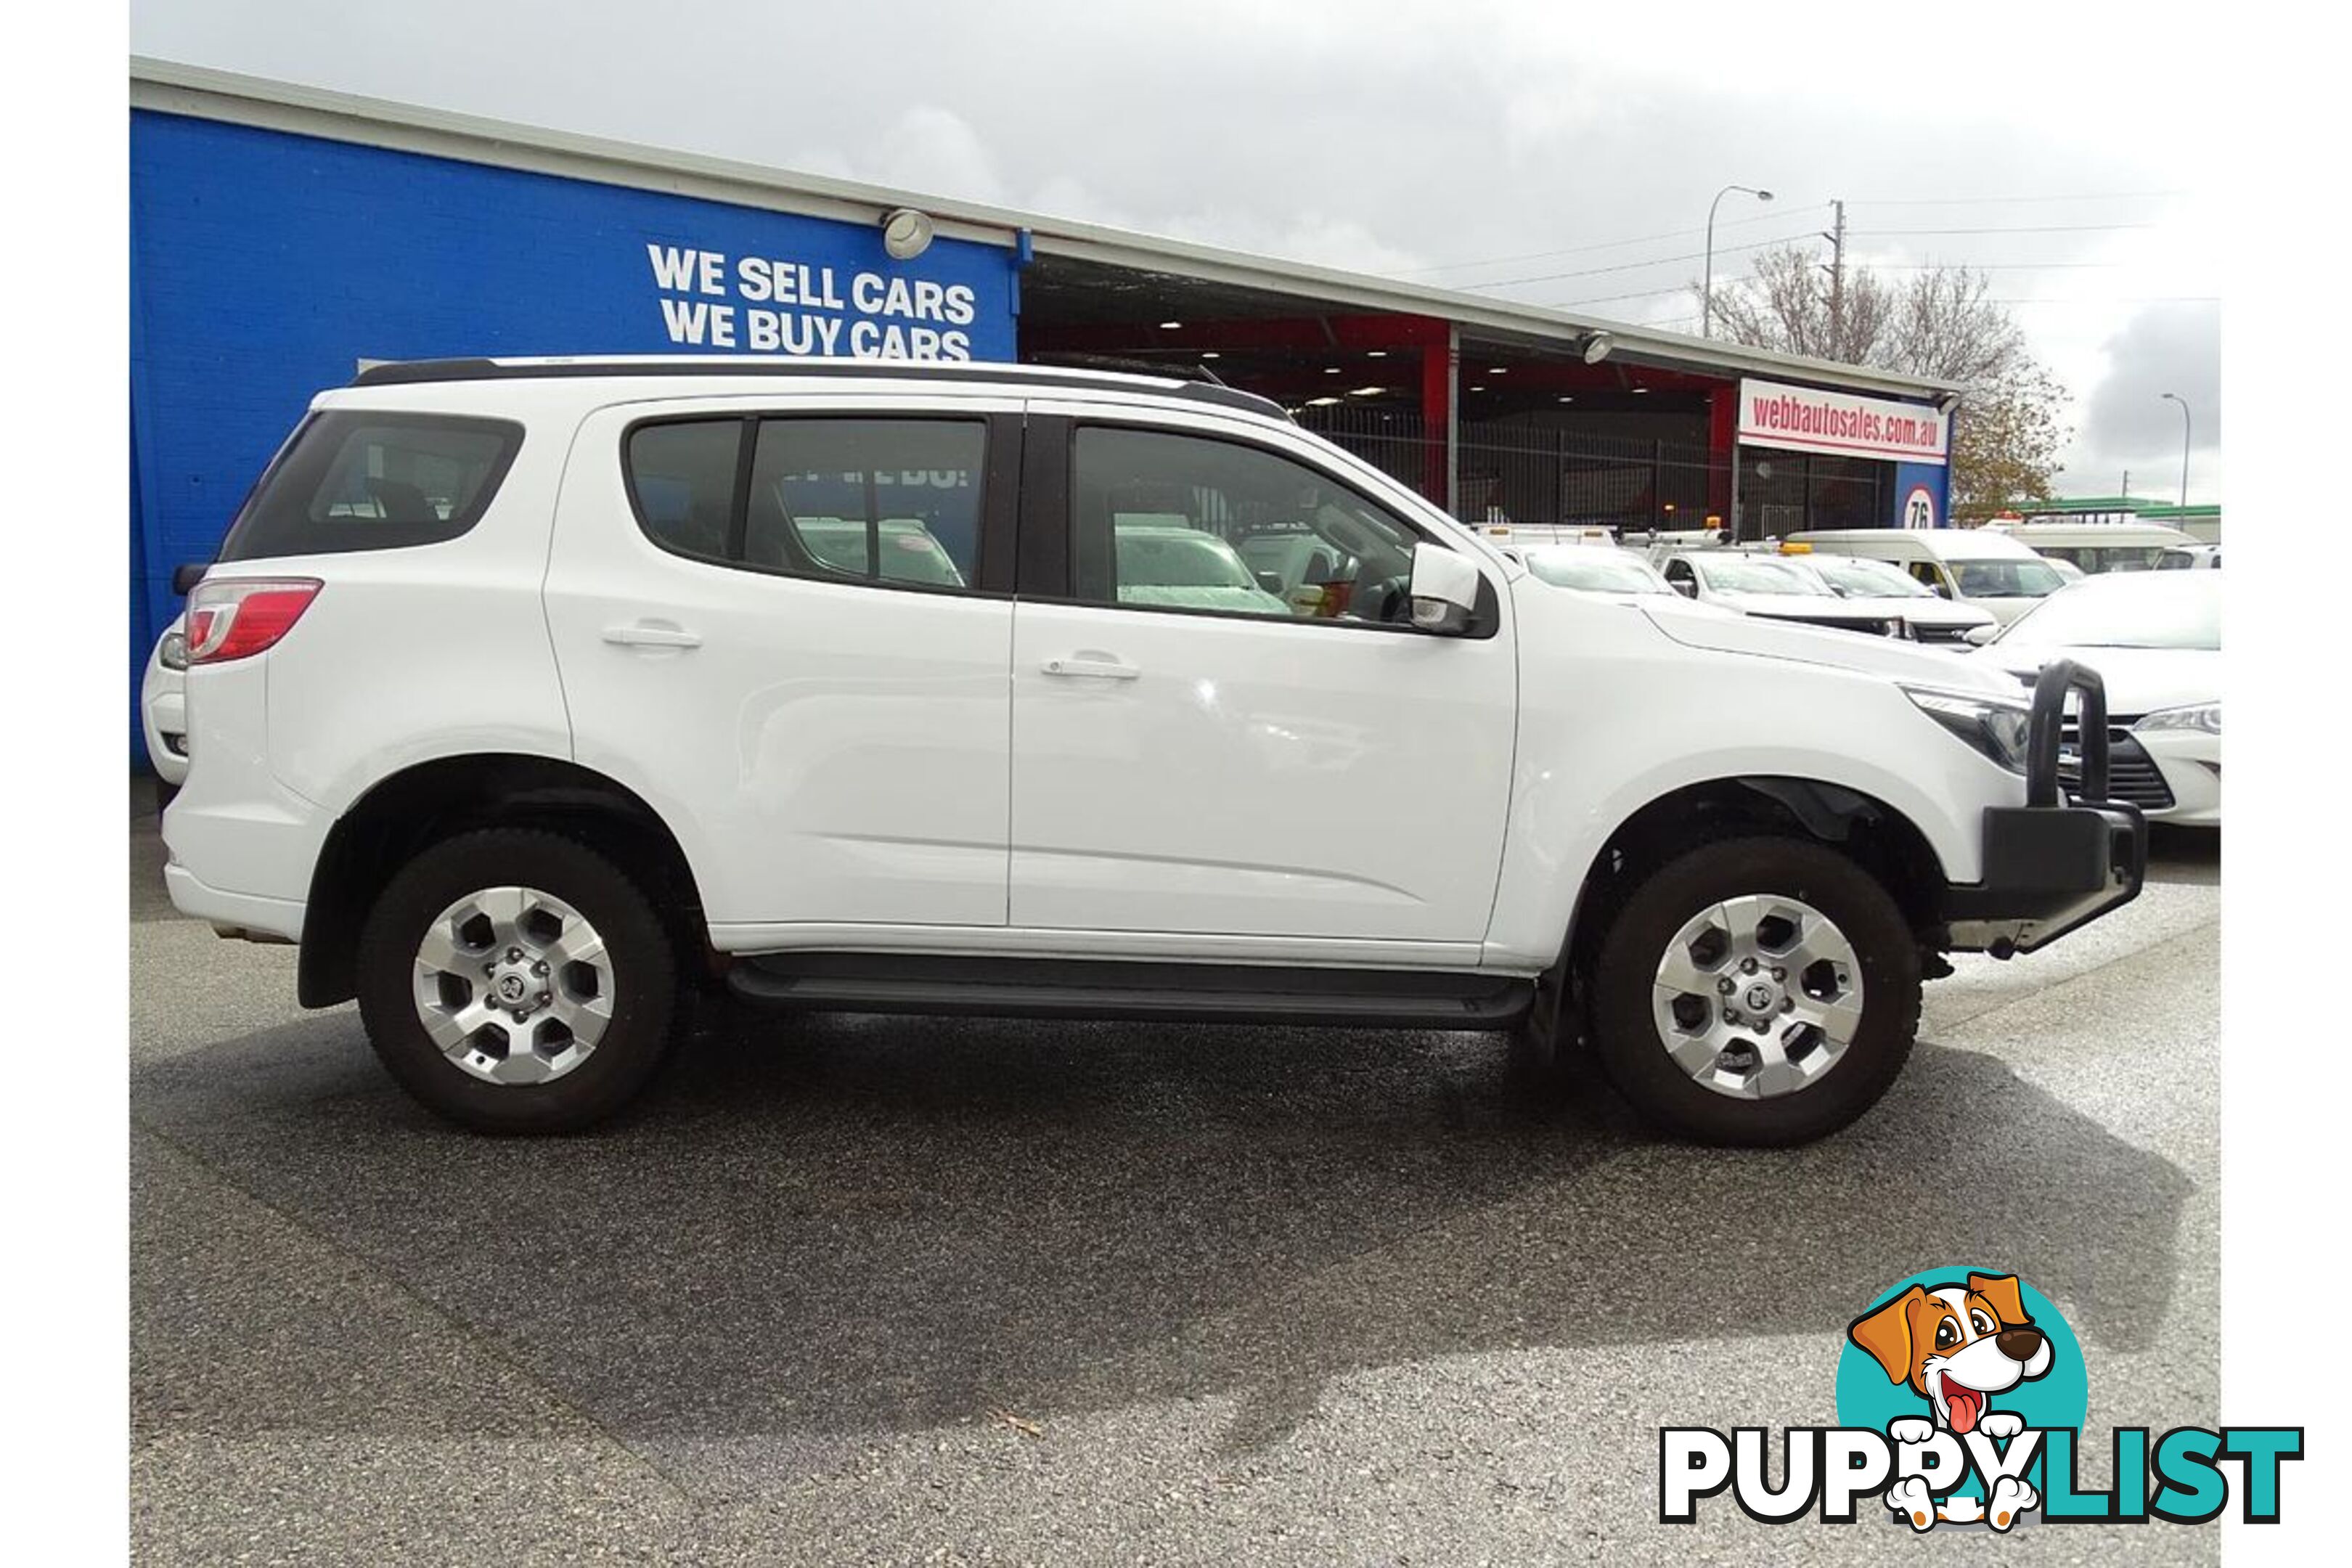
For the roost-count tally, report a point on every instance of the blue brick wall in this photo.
(264, 265)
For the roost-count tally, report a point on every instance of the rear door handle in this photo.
(652, 634)
(1101, 667)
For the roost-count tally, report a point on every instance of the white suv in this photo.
(524, 690)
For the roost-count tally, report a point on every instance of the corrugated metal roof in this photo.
(200, 91)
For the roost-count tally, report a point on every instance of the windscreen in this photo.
(1856, 578)
(1745, 574)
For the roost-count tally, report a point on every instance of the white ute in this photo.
(525, 691)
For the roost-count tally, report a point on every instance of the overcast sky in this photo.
(1560, 155)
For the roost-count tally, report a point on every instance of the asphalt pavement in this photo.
(853, 1289)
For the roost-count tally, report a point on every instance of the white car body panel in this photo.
(1678, 712)
(163, 711)
(1257, 777)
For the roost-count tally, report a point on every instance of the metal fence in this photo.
(1535, 471)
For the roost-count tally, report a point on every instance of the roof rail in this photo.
(1173, 383)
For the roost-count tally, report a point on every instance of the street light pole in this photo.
(1707, 297)
(2176, 397)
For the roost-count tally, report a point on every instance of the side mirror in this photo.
(1445, 590)
(187, 575)
(1977, 636)
(1271, 582)
(1943, 589)
(1686, 588)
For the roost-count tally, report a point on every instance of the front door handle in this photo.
(652, 634)
(1101, 667)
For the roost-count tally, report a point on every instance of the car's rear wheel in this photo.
(1755, 991)
(515, 981)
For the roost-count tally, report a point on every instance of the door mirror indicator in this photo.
(1445, 590)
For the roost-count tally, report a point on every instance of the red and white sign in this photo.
(1806, 419)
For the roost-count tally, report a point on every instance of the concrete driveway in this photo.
(855, 1288)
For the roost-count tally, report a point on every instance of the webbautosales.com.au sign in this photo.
(1806, 419)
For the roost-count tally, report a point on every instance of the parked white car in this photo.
(2156, 640)
(1775, 587)
(163, 709)
(1887, 591)
(1980, 566)
(523, 689)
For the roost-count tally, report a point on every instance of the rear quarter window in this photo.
(356, 480)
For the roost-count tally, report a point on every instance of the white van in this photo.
(2099, 547)
(1974, 565)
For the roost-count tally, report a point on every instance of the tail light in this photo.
(238, 618)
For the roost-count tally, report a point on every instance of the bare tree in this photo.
(1940, 322)
(1784, 305)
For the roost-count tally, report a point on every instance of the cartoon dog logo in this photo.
(1957, 1346)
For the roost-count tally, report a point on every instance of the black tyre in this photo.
(517, 980)
(1777, 932)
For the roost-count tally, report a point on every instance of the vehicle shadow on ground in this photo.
(2189, 855)
(857, 1223)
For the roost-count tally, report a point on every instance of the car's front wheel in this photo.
(1755, 991)
(515, 981)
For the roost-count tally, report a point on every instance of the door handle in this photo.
(649, 634)
(1101, 667)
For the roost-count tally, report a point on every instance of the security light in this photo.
(1597, 347)
(906, 233)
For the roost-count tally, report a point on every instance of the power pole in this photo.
(1836, 237)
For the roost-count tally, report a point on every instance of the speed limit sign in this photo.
(1919, 508)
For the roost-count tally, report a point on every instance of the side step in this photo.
(1130, 992)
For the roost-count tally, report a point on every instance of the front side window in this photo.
(879, 500)
(1172, 522)
(353, 479)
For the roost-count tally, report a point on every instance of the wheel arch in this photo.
(408, 811)
(1876, 835)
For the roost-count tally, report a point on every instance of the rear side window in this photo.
(896, 501)
(354, 480)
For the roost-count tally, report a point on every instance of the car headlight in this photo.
(175, 654)
(1996, 729)
(2205, 717)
